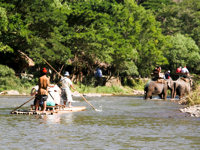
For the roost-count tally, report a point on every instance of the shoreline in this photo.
(75, 94)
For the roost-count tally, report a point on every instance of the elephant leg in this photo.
(165, 96)
(174, 94)
(149, 95)
(145, 95)
(160, 96)
(180, 96)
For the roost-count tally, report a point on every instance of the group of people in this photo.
(42, 93)
(184, 72)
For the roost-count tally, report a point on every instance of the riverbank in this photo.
(193, 103)
(193, 111)
(133, 93)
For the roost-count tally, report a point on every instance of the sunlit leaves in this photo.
(183, 51)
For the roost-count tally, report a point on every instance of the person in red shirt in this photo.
(178, 70)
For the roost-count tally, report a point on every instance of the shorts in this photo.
(66, 95)
(41, 99)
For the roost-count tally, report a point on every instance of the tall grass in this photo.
(116, 90)
(194, 97)
(101, 89)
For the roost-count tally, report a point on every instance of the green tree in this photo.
(155, 5)
(148, 39)
(36, 29)
(86, 33)
(8, 79)
(122, 35)
(95, 36)
(182, 51)
(3, 28)
(181, 18)
(46, 20)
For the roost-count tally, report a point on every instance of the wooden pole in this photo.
(52, 68)
(77, 91)
(61, 68)
(87, 101)
(22, 104)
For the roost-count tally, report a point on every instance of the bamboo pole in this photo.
(52, 68)
(87, 101)
(22, 104)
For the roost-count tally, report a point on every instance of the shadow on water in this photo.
(125, 122)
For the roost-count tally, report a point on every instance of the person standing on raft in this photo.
(43, 90)
(66, 92)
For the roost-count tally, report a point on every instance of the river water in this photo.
(125, 122)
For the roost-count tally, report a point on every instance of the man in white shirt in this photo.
(185, 71)
(66, 92)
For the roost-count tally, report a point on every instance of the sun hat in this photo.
(66, 73)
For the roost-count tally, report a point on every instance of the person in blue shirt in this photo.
(98, 76)
(98, 73)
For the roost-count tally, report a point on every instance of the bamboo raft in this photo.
(60, 109)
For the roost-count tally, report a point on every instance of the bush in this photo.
(136, 83)
(9, 81)
(194, 97)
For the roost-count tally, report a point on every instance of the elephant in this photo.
(182, 86)
(159, 88)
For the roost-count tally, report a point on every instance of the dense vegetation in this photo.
(9, 81)
(126, 38)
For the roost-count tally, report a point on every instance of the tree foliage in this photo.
(181, 18)
(182, 51)
(83, 34)
(3, 28)
(155, 5)
(8, 79)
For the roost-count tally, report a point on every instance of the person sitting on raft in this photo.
(34, 92)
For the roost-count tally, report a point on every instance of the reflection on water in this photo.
(123, 123)
(58, 118)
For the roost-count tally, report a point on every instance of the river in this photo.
(125, 122)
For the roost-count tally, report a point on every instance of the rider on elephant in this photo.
(167, 75)
(185, 72)
(157, 74)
